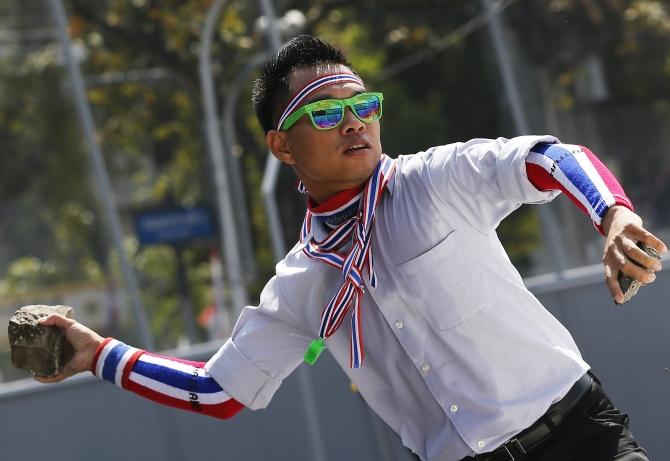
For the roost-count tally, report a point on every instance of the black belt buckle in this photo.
(514, 443)
(512, 450)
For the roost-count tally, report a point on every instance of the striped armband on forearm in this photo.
(170, 381)
(114, 360)
(580, 175)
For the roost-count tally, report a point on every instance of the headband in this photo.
(314, 86)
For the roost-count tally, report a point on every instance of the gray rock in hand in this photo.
(42, 350)
(629, 285)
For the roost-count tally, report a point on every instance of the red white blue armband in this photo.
(174, 382)
(578, 173)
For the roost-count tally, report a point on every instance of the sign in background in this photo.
(173, 225)
(177, 227)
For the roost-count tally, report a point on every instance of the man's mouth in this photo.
(356, 147)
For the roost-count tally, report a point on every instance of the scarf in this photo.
(357, 228)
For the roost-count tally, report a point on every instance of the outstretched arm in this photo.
(174, 382)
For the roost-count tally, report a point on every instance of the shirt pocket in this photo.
(447, 283)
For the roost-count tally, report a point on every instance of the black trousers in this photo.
(593, 431)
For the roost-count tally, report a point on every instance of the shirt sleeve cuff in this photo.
(511, 170)
(241, 379)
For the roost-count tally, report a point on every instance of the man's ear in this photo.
(277, 142)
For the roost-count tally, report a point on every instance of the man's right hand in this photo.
(84, 341)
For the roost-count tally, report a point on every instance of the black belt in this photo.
(532, 437)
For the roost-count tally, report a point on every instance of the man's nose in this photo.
(351, 123)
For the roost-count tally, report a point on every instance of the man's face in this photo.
(328, 161)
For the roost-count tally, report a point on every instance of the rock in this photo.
(42, 350)
(629, 285)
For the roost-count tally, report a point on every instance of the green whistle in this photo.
(314, 350)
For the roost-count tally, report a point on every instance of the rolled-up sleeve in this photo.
(264, 348)
(485, 179)
(510, 169)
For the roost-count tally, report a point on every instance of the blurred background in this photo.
(134, 181)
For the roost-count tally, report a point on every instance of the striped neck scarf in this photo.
(336, 210)
(358, 229)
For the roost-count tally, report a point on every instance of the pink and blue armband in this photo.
(580, 175)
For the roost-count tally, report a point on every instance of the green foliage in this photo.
(141, 67)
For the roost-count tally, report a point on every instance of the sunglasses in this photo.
(329, 113)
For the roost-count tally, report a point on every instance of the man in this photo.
(400, 274)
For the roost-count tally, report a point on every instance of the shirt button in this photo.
(454, 408)
(425, 367)
(399, 324)
(481, 444)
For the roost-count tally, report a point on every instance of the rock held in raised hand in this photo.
(629, 285)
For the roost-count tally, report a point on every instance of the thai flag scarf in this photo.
(357, 228)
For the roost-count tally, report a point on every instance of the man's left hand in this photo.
(623, 229)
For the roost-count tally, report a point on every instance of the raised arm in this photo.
(580, 175)
(577, 172)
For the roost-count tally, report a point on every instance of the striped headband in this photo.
(311, 88)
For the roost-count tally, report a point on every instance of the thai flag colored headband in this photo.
(313, 86)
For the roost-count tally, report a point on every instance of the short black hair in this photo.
(271, 89)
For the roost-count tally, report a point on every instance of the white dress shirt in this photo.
(459, 355)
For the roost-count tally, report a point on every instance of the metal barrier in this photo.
(84, 419)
